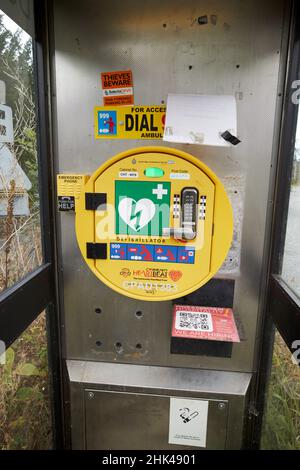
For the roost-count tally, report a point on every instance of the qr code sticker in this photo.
(193, 321)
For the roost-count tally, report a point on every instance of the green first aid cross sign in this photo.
(142, 207)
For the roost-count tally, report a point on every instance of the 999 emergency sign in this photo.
(130, 122)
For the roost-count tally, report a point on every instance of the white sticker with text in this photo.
(188, 422)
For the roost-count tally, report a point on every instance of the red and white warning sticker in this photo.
(212, 323)
(117, 88)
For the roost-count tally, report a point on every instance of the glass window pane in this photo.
(20, 236)
(291, 257)
(25, 413)
(281, 426)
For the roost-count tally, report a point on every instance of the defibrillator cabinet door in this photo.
(154, 223)
(145, 200)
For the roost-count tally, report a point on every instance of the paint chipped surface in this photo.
(235, 188)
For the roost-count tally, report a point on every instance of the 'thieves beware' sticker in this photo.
(130, 122)
(188, 422)
(117, 88)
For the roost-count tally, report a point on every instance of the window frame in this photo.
(23, 302)
(31, 294)
(281, 310)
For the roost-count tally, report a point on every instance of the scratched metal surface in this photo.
(237, 52)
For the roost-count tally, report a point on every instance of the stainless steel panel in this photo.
(125, 377)
(21, 11)
(137, 421)
(117, 406)
(239, 54)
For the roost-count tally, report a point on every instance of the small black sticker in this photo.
(230, 138)
(66, 203)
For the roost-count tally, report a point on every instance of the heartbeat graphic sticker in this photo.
(142, 207)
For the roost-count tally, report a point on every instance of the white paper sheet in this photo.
(200, 119)
(188, 422)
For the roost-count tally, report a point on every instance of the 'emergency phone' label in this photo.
(68, 190)
(130, 122)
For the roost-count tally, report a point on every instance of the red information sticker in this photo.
(117, 88)
(212, 323)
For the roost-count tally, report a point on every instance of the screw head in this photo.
(91, 395)
(221, 406)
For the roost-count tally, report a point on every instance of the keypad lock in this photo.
(188, 226)
(189, 204)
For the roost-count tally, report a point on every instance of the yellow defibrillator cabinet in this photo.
(154, 223)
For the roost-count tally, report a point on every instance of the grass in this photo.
(20, 248)
(25, 418)
(25, 421)
(281, 429)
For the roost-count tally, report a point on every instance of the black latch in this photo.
(96, 250)
(232, 139)
(94, 200)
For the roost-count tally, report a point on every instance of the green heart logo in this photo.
(136, 214)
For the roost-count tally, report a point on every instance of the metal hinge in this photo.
(94, 200)
(96, 250)
(252, 410)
